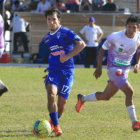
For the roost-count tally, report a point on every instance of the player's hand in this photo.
(97, 73)
(86, 41)
(97, 40)
(136, 68)
(63, 58)
(45, 78)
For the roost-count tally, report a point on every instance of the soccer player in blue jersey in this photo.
(59, 41)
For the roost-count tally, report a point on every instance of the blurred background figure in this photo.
(60, 5)
(18, 5)
(1, 5)
(52, 2)
(86, 5)
(98, 4)
(110, 6)
(42, 6)
(73, 5)
(92, 35)
(6, 23)
(19, 26)
(33, 5)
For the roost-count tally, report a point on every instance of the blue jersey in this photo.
(60, 42)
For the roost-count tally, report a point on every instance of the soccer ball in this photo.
(42, 128)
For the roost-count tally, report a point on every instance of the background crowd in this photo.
(20, 27)
(39, 6)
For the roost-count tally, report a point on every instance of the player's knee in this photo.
(51, 99)
(51, 93)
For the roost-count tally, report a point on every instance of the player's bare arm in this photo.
(99, 37)
(98, 71)
(83, 37)
(137, 65)
(78, 48)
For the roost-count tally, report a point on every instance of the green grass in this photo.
(26, 102)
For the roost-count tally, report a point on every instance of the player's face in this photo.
(131, 29)
(53, 22)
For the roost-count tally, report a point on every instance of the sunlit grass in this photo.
(26, 102)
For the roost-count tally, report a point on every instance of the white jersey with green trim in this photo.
(121, 49)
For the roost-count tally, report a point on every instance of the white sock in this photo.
(1, 85)
(132, 113)
(90, 97)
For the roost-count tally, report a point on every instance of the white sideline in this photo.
(32, 65)
(41, 65)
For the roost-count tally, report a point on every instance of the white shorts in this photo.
(118, 76)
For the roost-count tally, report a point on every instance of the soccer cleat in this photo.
(52, 127)
(79, 103)
(136, 126)
(57, 130)
(3, 90)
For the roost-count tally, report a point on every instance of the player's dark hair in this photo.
(52, 11)
(132, 19)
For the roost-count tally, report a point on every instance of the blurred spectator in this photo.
(73, 5)
(19, 28)
(52, 2)
(103, 2)
(92, 35)
(33, 5)
(5, 17)
(86, 5)
(60, 5)
(98, 4)
(42, 6)
(110, 6)
(1, 6)
(18, 6)
(6, 24)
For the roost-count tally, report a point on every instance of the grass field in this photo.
(26, 102)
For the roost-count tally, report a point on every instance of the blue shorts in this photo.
(62, 79)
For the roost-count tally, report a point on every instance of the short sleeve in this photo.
(83, 30)
(73, 36)
(99, 30)
(107, 44)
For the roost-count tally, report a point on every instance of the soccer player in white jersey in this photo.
(121, 48)
(3, 88)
